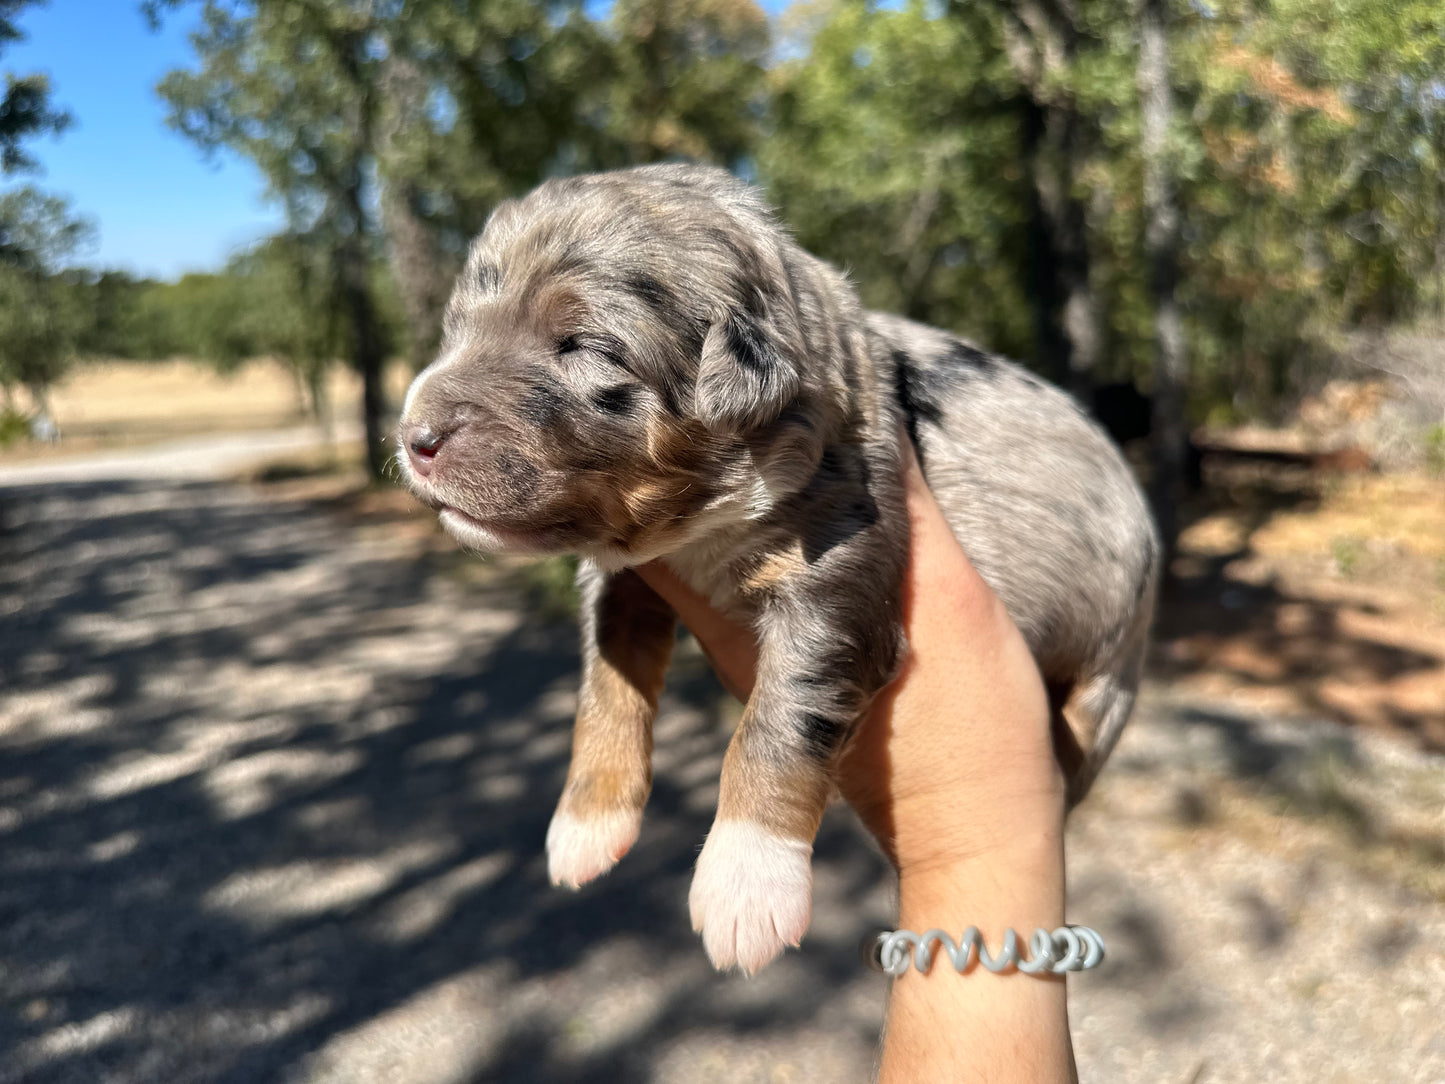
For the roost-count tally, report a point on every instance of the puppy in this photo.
(642, 364)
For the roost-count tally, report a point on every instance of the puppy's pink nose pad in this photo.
(422, 445)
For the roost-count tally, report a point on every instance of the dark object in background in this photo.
(1126, 414)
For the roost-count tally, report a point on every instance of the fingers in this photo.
(730, 647)
(940, 575)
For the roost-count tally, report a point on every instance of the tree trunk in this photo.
(1161, 240)
(411, 242)
(353, 255)
(1052, 352)
(1042, 43)
(368, 349)
(368, 356)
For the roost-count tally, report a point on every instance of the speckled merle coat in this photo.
(641, 365)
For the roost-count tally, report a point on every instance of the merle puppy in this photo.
(642, 364)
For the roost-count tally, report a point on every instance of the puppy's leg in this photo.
(752, 892)
(627, 635)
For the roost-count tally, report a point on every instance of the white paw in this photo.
(582, 848)
(752, 894)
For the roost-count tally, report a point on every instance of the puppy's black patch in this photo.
(489, 278)
(914, 396)
(963, 358)
(658, 298)
(749, 346)
(821, 735)
(841, 504)
(619, 401)
(541, 406)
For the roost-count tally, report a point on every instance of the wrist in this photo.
(976, 828)
(1019, 885)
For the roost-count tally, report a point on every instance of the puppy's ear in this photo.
(748, 373)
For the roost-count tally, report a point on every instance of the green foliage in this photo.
(41, 319)
(1311, 160)
(40, 231)
(41, 314)
(14, 426)
(684, 80)
(25, 109)
(551, 586)
(1435, 449)
(1309, 150)
(894, 153)
(1347, 553)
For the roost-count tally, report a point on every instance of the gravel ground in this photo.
(273, 791)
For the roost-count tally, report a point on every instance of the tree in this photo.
(1161, 242)
(479, 102)
(41, 318)
(25, 109)
(285, 286)
(1050, 45)
(475, 102)
(292, 85)
(892, 152)
(685, 79)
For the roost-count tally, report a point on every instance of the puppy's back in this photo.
(1045, 506)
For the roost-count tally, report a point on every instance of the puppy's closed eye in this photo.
(609, 348)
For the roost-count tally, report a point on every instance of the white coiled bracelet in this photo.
(1068, 948)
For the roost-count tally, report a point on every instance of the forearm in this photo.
(975, 826)
(980, 1026)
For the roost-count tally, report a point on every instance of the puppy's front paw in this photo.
(581, 848)
(752, 894)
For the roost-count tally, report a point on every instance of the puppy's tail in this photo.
(1089, 716)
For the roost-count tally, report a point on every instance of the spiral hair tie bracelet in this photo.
(1069, 948)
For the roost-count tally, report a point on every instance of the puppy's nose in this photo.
(422, 445)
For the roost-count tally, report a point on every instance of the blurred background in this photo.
(276, 761)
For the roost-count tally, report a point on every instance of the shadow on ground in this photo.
(263, 785)
(1267, 635)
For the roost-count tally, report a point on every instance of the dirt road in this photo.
(273, 791)
(199, 458)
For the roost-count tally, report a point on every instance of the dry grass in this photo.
(1319, 596)
(117, 404)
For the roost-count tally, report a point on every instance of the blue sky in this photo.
(161, 208)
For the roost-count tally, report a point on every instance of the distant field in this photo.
(126, 403)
